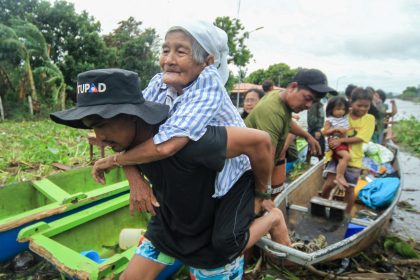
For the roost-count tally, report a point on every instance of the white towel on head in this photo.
(213, 40)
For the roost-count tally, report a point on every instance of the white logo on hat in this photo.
(91, 88)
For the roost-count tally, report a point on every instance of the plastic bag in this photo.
(380, 192)
(377, 152)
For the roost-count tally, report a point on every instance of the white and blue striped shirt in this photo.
(204, 102)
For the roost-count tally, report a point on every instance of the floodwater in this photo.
(404, 223)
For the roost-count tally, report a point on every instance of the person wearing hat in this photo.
(194, 70)
(273, 114)
(205, 233)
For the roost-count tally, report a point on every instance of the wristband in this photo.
(266, 194)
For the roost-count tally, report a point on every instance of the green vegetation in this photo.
(281, 74)
(407, 134)
(30, 148)
(411, 94)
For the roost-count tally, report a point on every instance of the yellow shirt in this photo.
(364, 127)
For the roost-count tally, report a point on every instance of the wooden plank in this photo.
(328, 203)
(50, 190)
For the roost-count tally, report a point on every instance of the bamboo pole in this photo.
(1, 109)
(31, 109)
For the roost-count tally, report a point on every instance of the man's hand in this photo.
(141, 194)
(314, 146)
(318, 135)
(100, 167)
(142, 198)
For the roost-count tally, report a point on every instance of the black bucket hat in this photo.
(315, 80)
(108, 93)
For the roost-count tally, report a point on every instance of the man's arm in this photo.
(256, 144)
(314, 146)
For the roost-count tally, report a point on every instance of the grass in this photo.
(407, 134)
(29, 148)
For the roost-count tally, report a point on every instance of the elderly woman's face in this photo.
(176, 60)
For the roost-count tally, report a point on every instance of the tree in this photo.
(136, 49)
(238, 51)
(73, 40)
(410, 93)
(281, 74)
(25, 57)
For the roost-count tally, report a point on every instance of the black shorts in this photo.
(234, 215)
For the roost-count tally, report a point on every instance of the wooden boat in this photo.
(96, 228)
(295, 204)
(22, 204)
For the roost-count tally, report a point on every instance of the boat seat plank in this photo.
(319, 205)
(328, 203)
(50, 190)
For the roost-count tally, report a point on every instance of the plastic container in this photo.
(130, 237)
(93, 255)
(313, 160)
(353, 229)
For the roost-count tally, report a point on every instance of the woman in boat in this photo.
(364, 125)
(252, 97)
(194, 70)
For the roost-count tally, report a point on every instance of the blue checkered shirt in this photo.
(204, 102)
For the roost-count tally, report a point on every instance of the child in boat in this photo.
(336, 126)
(364, 125)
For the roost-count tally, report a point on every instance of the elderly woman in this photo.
(194, 69)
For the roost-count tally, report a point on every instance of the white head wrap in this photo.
(213, 40)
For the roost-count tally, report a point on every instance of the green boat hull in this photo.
(25, 203)
(96, 228)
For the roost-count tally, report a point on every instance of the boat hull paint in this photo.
(54, 207)
(61, 242)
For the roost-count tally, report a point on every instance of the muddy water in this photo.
(406, 223)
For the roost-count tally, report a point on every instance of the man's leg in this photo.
(140, 268)
(146, 263)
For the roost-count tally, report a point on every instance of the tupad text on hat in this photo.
(91, 88)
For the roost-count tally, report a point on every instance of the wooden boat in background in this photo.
(22, 204)
(96, 228)
(295, 204)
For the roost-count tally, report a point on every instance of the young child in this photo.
(336, 126)
(364, 124)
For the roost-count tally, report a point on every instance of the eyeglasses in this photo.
(250, 100)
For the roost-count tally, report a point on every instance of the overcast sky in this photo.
(366, 42)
